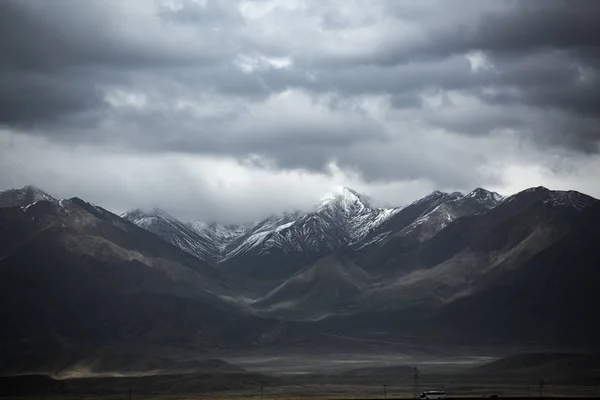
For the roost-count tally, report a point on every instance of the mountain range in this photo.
(475, 267)
(338, 219)
(342, 218)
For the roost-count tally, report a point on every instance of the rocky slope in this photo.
(520, 271)
(73, 271)
(427, 216)
(182, 235)
(331, 286)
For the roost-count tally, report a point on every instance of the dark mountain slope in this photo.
(458, 268)
(76, 271)
(507, 224)
(396, 243)
(330, 286)
(501, 227)
(527, 269)
(550, 295)
(406, 216)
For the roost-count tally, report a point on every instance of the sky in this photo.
(227, 110)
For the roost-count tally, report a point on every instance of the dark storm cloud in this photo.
(554, 79)
(284, 138)
(510, 27)
(28, 97)
(555, 24)
(549, 51)
(207, 78)
(57, 56)
(49, 36)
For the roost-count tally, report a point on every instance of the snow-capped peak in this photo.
(344, 197)
(485, 196)
(146, 218)
(23, 197)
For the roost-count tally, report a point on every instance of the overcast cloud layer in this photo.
(229, 110)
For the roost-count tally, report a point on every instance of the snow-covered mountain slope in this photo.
(485, 197)
(340, 217)
(427, 216)
(221, 235)
(288, 241)
(476, 202)
(175, 232)
(260, 236)
(23, 197)
(403, 217)
(353, 212)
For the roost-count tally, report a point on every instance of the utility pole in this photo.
(385, 391)
(261, 392)
(129, 394)
(542, 388)
(416, 383)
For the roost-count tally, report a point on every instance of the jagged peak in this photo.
(478, 191)
(343, 195)
(558, 198)
(437, 195)
(146, 213)
(572, 199)
(536, 189)
(24, 196)
(485, 195)
(31, 189)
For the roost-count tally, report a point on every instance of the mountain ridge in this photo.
(341, 218)
(23, 196)
(447, 267)
(76, 273)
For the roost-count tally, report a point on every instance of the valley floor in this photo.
(455, 388)
(297, 374)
